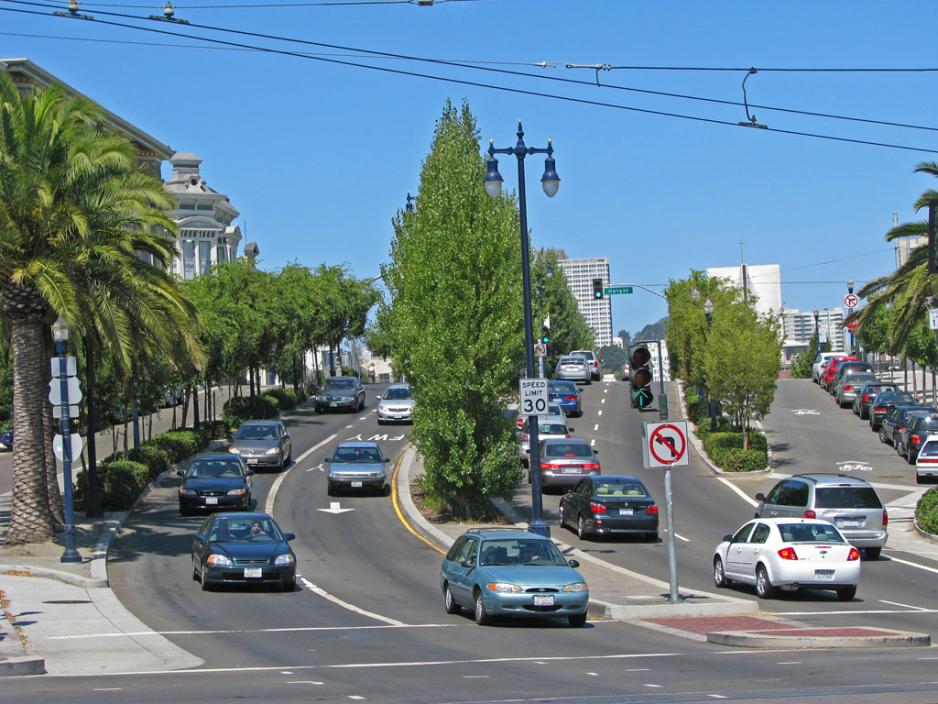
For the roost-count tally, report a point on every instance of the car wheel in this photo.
(481, 615)
(195, 572)
(847, 593)
(652, 537)
(919, 479)
(289, 585)
(183, 511)
(576, 620)
(764, 587)
(449, 603)
(563, 519)
(204, 580)
(719, 577)
(882, 434)
(380, 422)
(909, 457)
(581, 531)
(872, 553)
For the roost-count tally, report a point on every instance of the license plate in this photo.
(356, 485)
(824, 574)
(252, 460)
(625, 512)
(253, 572)
(211, 500)
(849, 524)
(544, 601)
(570, 470)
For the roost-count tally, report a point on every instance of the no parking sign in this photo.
(665, 444)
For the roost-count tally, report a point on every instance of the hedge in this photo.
(726, 451)
(156, 460)
(926, 513)
(120, 483)
(242, 408)
(286, 398)
(178, 444)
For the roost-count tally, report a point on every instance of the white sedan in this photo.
(788, 554)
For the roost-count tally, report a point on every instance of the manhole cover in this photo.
(67, 601)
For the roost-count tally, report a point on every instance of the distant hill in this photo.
(652, 331)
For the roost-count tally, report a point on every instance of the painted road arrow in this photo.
(806, 412)
(334, 508)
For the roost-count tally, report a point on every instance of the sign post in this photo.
(63, 392)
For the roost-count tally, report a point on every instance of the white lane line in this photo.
(350, 425)
(599, 412)
(305, 682)
(476, 677)
(539, 661)
(593, 674)
(603, 401)
(275, 487)
(913, 564)
(351, 607)
(295, 629)
(596, 427)
(908, 606)
(865, 612)
(286, 672)
(791, 662)
(656, 686)
(751, 502)
(637, 669)
(356, 697)
(679, 536)
(928, 658)
(108, 689)
(593, 442)
(363, 418)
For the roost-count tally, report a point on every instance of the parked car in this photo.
(554, 426)
(926, 463)
(886, 401)
(565, 461)
(847, 367)
(819, 362)
(263, 443)
(897, 419)
(863, 400)
(610, 505)
(243, 548)
(215, 480)
(593, 361)
(849, 503)
(573, 368)
(849, 384)
(396, 405)
(509, 572)
(6, 440)
(341, 392)
(914, 434)
(788, 554)
(358, 465)
(567, 394)
(830, 370)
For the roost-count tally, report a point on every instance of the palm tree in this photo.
(75, 211)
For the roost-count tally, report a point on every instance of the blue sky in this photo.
(317, 156)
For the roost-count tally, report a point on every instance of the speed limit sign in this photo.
(533, 397)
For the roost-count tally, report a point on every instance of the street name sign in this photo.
(851, 300)
(55, 391)
(58, 446)
(665, 444)
(611, 290)
(533, 397)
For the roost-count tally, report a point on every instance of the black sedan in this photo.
(897, 418)
(243, 548)
(867, 393)
(885, 402)
(341, 393)
(215, 480)
(610, 505)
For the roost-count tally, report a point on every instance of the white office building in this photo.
(799, 327)
(597, 313)
(762, 282)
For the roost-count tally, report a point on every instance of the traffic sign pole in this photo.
(674, 597)
(70, 554)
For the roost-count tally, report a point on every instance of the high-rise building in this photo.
(597, 313)
(800, 326)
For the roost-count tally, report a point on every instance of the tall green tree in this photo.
(456, 322)
(552, 298)
(72, 201)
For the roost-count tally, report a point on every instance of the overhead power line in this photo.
(445, 79)
(788, 69)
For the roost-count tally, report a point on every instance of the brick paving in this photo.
(706, 624)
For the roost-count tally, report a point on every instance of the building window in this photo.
(221, 254)
(205, 256)
(188, 259)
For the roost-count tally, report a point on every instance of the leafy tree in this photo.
(613, 358)
(653, 331)
(552, 297)
(803, 363)
(456, 319)
(626, 338)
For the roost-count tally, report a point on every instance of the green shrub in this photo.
(178, 444)
(119, 484)
(156, 460)
(726, 451)
(286, 398)
(242, 408)
(739, 460)
(926, 513)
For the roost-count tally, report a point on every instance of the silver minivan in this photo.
(850, 503)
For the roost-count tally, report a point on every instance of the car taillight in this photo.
(787, 554)
(809, 513)
(652, 510)
(597, 507)
(885, 518)
(848, 387)
(915, 439)
(867, 397)
(854, 555)
(900, 428)
(570, 397)
(591, 465)
(550, 465)
(879, 410)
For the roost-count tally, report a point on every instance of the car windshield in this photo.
(809, 533)
(860, 377)
(340, 384)
(215, 469)
(245, 530)
(552, 428)
(359, 455)
(518, 551)
(572, 360)
(256, 432)
(930, 423)
(397, 394)
(568, 449)
(607, 488)
(561, 387)
(846, 497)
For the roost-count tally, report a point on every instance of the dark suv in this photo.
(847, 368)
(898, 418)
(914, 436)
(884, 402)
(863, 401)
(849, 503)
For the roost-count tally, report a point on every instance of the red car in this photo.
(830, 371)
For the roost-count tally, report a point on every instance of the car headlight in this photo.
(237, 492)
(576, 587)
(216, 560)
(235, 450)
(502, 587)
(272, 451)
(287, 559)
(186, 492)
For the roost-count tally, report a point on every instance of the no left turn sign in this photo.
(665, 444)
(851, 300)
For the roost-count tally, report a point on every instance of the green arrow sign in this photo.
(610, 290)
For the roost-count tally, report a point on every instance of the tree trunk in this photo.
(296, 374)
(185, 408)
(905, 373)
(124, 413)
(914, 382)
(195, 406)
(174, 414)
(150, 426)
(924, 384)
(30, 518)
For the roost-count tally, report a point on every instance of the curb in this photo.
(617, 612)
(407, 501)
(22, 666)
(930, 537)
(889, 639)
(66, 577)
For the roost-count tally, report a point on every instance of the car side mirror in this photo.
(528, 451)
(387, 459)
(378, 397)
(572, 430)
(466, 563)
(180, 472)
(760, 497)
(327, 459)
(573, 563)
(595, 452)
(728, 538)
(286, 436)
(289, 536)
(249, 472)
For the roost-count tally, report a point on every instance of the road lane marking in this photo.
(400, 515)
(305, 682)
(751, 502)
(351, 607)
(286, 672)
(476, 677)
(593, 442)
(716, 696)
(603, 401)
(108, 689)
(908, 606)
(841, 613)
(275, 487)
(637, 669)
(363, 418)
(791, 662)
(656, 686)
(486, 661)
(593, 674)
(596, 427)
(599, 412)
(913, 564)
(356, 697)
(291, 629)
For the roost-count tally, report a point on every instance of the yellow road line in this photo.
(400, 515)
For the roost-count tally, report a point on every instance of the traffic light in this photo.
(545, 330)
(597, 288)
(641, 378)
